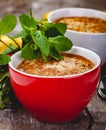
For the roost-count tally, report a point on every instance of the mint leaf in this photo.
(4, 59)
(28, 53)
(46, 26)
(61, 27)
(7, 24)
(41, 41)
(52, 32)
(54, 29)
(28, 22)
(61, 43)
(55, 54)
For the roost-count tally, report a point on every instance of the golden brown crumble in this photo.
(70, 64)
(84, 24)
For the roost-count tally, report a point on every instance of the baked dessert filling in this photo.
(84, 24)
(69, 65)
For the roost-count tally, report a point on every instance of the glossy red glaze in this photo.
(55, 99)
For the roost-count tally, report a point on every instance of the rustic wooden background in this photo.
(39, 7)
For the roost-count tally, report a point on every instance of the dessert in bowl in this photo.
(84, 34)
(55, 99)
(63, 79)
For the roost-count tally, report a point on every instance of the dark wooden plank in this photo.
(21, 120)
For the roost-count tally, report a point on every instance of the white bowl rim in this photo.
(65, 76)
(80, 8)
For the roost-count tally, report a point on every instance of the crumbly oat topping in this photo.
(84, 24)
(70, 64)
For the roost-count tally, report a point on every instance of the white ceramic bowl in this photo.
(94, 41)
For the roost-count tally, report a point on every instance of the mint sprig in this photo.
(42, 39)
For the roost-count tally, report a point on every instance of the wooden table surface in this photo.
(20, 119)
(12, 119)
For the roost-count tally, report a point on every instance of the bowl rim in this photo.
(65, 76)
(83, 9)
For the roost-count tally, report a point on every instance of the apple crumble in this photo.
(70, 64)
(84, 24)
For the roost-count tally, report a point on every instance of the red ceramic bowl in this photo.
(55, 99)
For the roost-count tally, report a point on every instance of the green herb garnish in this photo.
(42, 39)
